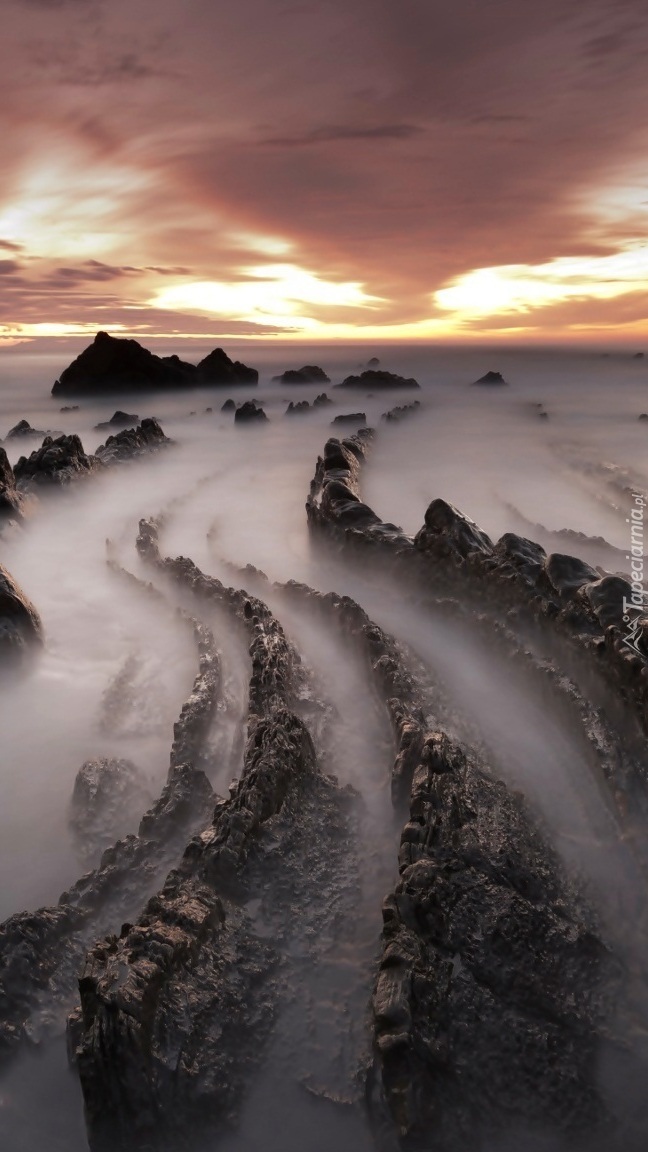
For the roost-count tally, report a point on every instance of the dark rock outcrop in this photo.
(119, 419)
(229, 406)
(379, 379)
(309, 374)
(106, 796)
(249, 413)
(218, 369)
(396, 414)
(491, 378)
(24, 429)
(20, 624)
(322, 400)
(350, 418)
(495, 985)
(11, 502)
(298, 409)
(113, 364)
(56, 462)
(132, 442)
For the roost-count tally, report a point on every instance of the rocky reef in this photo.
(309, 374)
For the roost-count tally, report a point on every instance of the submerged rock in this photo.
(491, 378)
(298, 409)
(309, 374)
(249, 413)
(396, 414)
(20, 624)
(24, 429)
(377, 378)
(229, 406)
(350, 418)
(118, 420)
(322, 400)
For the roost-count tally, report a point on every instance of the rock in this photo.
(643, 416)
(56, 462)
(132, 442)
(118, 420)
(111, 364)
(638, 356)
(23, 428)
(208, 410)
(495, 985)
(374, 362)
(41, 952)
(448, 533)
(20, 624)
(218, 369)
(229, 406)
(69, 408)
(322, 400)
(249, 413)
(11, 502)
(309, 374)
(491, 378)
(106, 799)
(298, 409)
(350, 418)
(374, 378)
(396, 414)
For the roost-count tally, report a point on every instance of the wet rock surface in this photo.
(21, 629)
(56, 462)
(491, 378)
(132, 442)
(24, 429)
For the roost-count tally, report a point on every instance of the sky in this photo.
(348, 169)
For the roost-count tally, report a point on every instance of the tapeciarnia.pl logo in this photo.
(633, 608)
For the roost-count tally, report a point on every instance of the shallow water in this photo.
(237, 494)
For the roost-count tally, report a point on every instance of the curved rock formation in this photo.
(217, 940)
(41, 952)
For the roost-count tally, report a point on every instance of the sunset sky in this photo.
(380, 169)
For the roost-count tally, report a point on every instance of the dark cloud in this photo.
(326, 135)
(9, 267)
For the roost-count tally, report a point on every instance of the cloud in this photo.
(326, 135)
(398, 148)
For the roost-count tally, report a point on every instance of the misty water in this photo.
(233, 495)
